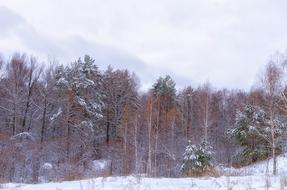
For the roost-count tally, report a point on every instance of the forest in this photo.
(62, 118)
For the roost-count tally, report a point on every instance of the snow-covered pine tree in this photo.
(253, 132)
(197, 159)
(84, 79)
(80, 87)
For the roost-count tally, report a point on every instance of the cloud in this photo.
(8, 21)
(223, 41)
(66, 49)
(18, 35)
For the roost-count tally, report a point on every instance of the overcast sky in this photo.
(224, 42)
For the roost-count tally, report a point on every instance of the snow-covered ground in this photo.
(260, 168)
(248, 178)
(134, 183)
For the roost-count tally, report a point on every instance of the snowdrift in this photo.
(260, 168)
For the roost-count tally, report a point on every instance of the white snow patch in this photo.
(56, 115)
(260, 168)
(47, 166)
(23, 136)
(101, 164)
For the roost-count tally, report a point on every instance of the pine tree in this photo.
(164, 90)
(253, 132)
(84, 80)
(80, 88)
(197, 159)
(164, 95)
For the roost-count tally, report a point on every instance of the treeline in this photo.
(65, 117)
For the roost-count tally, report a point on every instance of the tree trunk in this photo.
(172, 147)
(273, 151)
(149, 170)
(30, 86)
(136, 144)
(206, 118)
(108, 128)
(125, 149)
(68, 129)
(68, 140)
(43, 120)
(14, 119)
(188, 133)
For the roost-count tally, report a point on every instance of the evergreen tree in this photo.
(84, 80)
(79, 86)
(164, 95)
(253, 132)
(164, 90)
(197, 159)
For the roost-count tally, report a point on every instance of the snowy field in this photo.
(134, 183)
(260, 168)
(257, 176)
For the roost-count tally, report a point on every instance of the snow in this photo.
(62, 81)
(45, 172)
(253, 177)
(261, 168)
(82, 102)
(23, 136)
(131, 183)
(47, 166)
(56, 115)
(101, 164)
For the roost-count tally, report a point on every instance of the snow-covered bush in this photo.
(46, 173)
(100, 167)
(197, 159)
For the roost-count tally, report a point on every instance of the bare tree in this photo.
(272, 85)
(205, 99)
